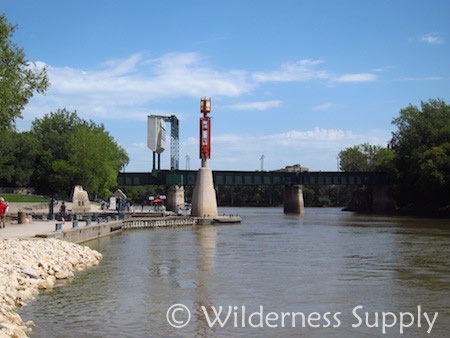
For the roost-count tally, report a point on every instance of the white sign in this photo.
(156, 134)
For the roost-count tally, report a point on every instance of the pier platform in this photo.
(82, 229)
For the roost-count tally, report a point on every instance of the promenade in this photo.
(14, 230)
(37, 226)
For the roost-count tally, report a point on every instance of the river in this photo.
(325, 274)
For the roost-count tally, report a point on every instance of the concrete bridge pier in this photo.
(204, 202)
(175, 197)
(382, 202)
(293, 200)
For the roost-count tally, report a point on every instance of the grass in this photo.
(16, 198)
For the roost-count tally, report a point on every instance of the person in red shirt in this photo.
(3, 207)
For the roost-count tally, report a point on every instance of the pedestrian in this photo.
(62, 211)
(3, 210)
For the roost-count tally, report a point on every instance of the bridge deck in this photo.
(187, 177)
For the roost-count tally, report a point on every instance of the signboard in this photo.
(156, 134)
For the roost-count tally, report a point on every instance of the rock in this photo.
(27, 266)
(30, 272)
(62, 274)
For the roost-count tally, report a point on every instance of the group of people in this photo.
(3, 212)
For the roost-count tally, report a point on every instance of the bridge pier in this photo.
(293, 200)
(204, 203)
(175, 197)
(382, 202)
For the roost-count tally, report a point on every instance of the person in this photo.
(62, 211)
(3, 210)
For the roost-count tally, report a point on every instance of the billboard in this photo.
(156, 134)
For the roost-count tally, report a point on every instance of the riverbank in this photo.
(30, 265)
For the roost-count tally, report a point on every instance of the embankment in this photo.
(27, 266)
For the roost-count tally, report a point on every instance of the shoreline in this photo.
(30, 265)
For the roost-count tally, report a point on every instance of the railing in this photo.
(143, 223)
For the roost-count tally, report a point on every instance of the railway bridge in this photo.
(175, 180)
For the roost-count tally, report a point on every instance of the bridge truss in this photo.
(187, 177)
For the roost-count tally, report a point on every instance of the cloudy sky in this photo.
(296, 81)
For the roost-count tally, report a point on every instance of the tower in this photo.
(204, 203)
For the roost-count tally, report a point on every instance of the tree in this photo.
(95, 158)
(76, 152)
(422, 148)
(19, 80)
(52, 132)
(366, 157)
(18, 154)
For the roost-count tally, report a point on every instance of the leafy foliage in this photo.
(76, 152)
(18, 155)
(422, 147)
(18, 79)
(365, 157)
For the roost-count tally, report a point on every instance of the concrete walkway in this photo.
(14, 230)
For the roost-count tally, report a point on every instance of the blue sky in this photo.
(295, 81)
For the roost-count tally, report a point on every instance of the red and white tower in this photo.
(204, 202)
(205, 131)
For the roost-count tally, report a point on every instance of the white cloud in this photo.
(305, 70)
(323, 107)
(432, 39)
(260, 105)
(425, 78)
(302, 70)
(317, 134)
(316, 149)
(128, 87)
(357, 77)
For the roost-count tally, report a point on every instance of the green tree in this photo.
(422, 148)
(76, 152)
(366, 157)
(19, 80)
(95, 159)
(18, 154)
(52, 131)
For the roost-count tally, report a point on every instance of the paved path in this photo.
(14, 230)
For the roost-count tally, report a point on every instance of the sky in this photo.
(291, 81)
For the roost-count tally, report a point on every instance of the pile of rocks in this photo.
(27, 266)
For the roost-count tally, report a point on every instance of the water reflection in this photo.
(206, 240)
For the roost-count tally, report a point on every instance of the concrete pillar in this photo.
(381, 201)
(204, 203)
(175, 197)
(293, 200)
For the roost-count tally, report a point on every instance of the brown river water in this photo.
(325, 274)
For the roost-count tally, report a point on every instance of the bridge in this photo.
(222, 177)
(175, 180)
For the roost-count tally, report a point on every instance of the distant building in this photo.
(296, 168)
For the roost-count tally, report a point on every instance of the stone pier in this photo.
(175, 197)
(293, 200)
(204, 203)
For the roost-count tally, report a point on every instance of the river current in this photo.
(325, 274)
